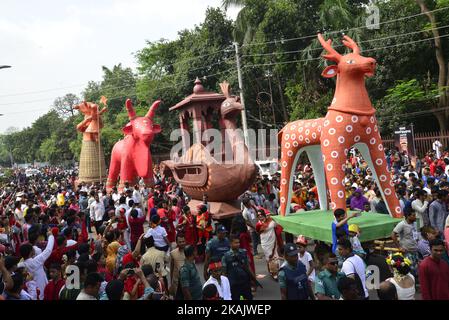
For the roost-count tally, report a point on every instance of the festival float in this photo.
(131, 156)
(349, 122)
(92, 166)
(223, 175)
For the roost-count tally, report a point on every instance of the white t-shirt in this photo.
(130, 198)
(224, 290)
(250, 215)
(158, 235)
(70, 243)
(305, 259)
(116, 198)
(355, 264)
(407, 174)
(137, 197)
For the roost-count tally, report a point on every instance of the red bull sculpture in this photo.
(131, 156)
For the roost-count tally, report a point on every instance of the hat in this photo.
(215, 265)
(301, 240)
(290, 249)
(221, 228)
(354, 228)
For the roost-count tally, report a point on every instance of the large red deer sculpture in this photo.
(350, 121)
(131, 157)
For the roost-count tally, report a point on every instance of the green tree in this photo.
(64, 105)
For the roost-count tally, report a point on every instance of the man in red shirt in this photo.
(54, 286)
(136, 226)
(59, 250)
(433, 167)
(434, 274)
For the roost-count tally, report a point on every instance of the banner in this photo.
(404, 140)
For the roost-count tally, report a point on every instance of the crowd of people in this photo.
(146, 243)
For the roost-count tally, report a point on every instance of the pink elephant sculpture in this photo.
(131, 157)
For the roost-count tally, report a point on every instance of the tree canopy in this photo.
(281, 68)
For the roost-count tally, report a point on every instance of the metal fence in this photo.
(423, 144)
(423, 141)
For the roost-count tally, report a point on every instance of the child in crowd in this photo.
(427, 234)
(340, 223)
(354, 232)
(306, 258)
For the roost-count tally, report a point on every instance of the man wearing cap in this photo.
(220, 281)
(216, 248)
(327, 280)
(236, 268)
(292, 277)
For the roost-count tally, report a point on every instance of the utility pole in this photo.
(271, 98)
(239, 74)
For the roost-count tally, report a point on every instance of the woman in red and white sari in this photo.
(266, 227)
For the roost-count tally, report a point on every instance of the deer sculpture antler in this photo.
(332, 55)
(348, 42)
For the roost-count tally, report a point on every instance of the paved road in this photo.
(270, 289)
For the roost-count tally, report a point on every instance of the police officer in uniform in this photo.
(293, 278)
(236, 268)
(216, 248)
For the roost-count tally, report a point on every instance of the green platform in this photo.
(317, 225)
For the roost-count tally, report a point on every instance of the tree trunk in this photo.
(281, 94)
(443, 121)
(447, 90)
(438, 53)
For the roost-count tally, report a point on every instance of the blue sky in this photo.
(58, 46)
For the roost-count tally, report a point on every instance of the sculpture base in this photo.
(219, 210)
(92, 166)
(317, 224)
